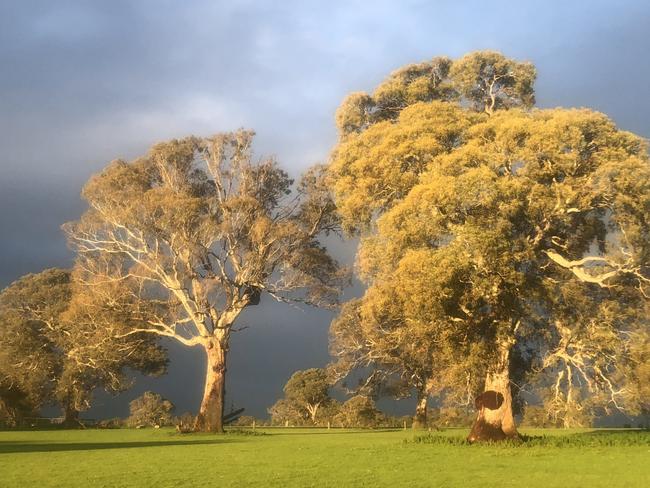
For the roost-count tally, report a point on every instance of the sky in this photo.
(86, 82)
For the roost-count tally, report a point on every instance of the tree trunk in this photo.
(210, 417)
(494, 421)
(312, 410)
(420, 418)
(71, 415)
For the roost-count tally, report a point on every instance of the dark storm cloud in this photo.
(84, 82)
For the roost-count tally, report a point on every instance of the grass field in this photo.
(301, 458)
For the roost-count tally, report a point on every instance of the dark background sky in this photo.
(85, 82)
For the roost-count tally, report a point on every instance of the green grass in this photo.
(336, 458)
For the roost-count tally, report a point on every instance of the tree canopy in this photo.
(484, 81)
(150, 410)
(308, 390)
(196, 231)
(55, 346)
(502, 245)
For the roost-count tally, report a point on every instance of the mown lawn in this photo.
(301, 458)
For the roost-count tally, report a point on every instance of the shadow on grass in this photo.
(7, 447)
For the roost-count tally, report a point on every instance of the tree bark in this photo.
(210, 417)
(312, 410)
(495, 421)
(420, 418)
(70, 416)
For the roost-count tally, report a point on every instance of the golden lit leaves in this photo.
(379, 166)
(490, 81)
(471, 223)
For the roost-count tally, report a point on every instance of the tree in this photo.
(308, 390)
(197, 230)
(285, 412)
(150, 409)
(514, 239)
(358, 411)
(328, 411)
(306, 399)
(29, 360)
(17, 399)
(400, 332)
(54, 347)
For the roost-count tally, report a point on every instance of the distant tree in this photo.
(247, 421)
(306, 399)
(53, 343)
(308, 390)
(328, 411)
(536, 416)
(285, 412)
(112, 423)
(197, 230)
(453, 417)
(151, 410)
(30, 361)
(500, 247)
(358, 411)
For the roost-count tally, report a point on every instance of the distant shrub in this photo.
(391, 422)
(150, 410)
(249, 421)
(114, 423)
(184, 423)
(535, 416)
(451, 417)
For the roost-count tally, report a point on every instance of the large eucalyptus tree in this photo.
(198, 229)
(500, 245)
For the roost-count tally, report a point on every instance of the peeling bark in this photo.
(210, 417)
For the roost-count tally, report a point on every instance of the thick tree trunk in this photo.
(70, 416)
(494, 421)
(420, 418)
(210, 417)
